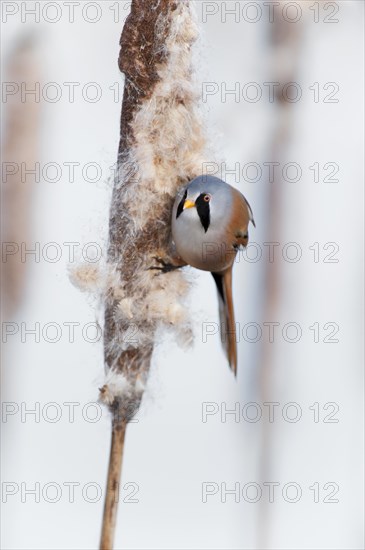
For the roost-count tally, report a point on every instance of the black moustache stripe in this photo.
(180, 208)
(203, 210)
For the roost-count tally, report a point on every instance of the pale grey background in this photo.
(170, 452)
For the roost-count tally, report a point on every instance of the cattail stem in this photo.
(162, 147)
(113, 484)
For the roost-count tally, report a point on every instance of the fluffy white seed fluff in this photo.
(168, 150)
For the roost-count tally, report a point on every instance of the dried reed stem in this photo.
(113, 485)
(286, 43)
(161, 148)
(20, 147)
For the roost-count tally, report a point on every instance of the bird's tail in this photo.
(226, 316)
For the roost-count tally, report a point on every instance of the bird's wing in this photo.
(239, 220)
(250, 212)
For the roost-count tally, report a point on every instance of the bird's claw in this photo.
(166, 267)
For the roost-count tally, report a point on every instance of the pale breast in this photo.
(210, 251)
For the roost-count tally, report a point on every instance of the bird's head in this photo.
(206, 200)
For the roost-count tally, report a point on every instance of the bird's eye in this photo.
(207, 198)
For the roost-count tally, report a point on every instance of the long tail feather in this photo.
(226, 316)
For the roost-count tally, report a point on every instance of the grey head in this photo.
(212, 198)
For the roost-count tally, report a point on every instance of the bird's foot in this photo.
(165, 266)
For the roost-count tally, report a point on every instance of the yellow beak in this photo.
(189, 204)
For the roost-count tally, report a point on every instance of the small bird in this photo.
(210, 221)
